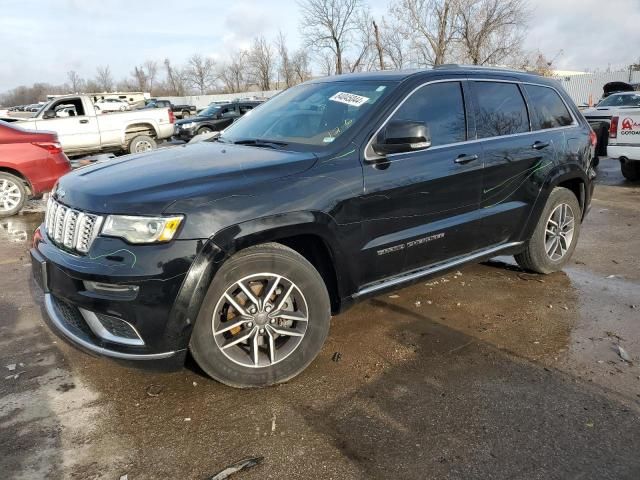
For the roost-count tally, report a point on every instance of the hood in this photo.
(194, 119)
(148, 183)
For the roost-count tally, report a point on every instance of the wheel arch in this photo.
(571, 177)
(21, 176)
(308, 233)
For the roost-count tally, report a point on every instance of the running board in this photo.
(399, 280)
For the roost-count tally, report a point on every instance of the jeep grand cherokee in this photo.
(239, 250)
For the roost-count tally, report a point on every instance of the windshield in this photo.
(621, 100)
(313, 114)
(210, 111)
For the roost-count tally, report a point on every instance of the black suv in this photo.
(239, 250)
(214, 118)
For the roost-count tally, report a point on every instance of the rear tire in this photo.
(556, 235)
(630, 170)
(186, 114)
(13, 194)
(282, 282)
(141, 144)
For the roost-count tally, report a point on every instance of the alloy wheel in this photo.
(260, 320)
(559, 231)
(10, 195)
(143, 146)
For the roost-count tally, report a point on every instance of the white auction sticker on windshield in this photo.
(349, 98)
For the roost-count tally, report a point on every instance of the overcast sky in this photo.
(43, 39)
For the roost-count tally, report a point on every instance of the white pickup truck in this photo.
(624, 142)
(82, 131)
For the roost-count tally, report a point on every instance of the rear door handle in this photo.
(84, 121)
(539, 145)
(462, 159)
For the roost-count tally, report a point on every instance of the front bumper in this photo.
(185, 134)
(138, 326)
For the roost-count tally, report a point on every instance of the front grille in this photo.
(70, 228)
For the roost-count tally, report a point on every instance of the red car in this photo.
(30, 165)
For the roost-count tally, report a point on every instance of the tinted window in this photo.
(501, 110)
(441, 107)
(550, 110)
(245, 108)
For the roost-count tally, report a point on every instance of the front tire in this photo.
(13, 195)
(264, 318)
(204, 130)
(556, 235)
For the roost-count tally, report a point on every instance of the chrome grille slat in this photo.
(71, 228)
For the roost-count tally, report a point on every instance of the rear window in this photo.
(501, 110)
(550, 111)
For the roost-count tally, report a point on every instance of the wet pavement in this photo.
(488, 372)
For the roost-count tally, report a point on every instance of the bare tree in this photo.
(233, 73)
(362, 42)
(491, 30)
(300, 66)
(378, 45)
(152, 72)
(103, 79)
(394, 44)
(432, 25)
(261, 63)
(176, 79)
(140, 79)
(329, 25)
(75, 82)
(327, 64)
(285, 68)
(200, 73)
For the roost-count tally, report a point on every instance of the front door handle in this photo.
(84, 121)
(540, 145)
(462, 159)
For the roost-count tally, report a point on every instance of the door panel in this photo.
(422, 207)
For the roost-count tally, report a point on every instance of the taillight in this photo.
(51, 147)
(613, 128)
(172, 117)
(593, 138)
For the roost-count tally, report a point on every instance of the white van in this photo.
(624, 142)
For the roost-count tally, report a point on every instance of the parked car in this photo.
(180, 111)
(30, 164)
(334, 191)
(214, 118)
(624, 142)
(85, 132)
(111, 105)
(599, 117)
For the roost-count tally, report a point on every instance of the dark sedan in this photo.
(214, 118)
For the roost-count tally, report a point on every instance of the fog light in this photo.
(112, 290)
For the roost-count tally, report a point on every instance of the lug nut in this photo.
(262, 330)
(249, 324)
(252, 310)
(273, 320)
(268, 308)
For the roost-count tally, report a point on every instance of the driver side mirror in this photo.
(48, 114)
(402, 136)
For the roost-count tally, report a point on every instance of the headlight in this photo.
(142, 229)
(188, 125)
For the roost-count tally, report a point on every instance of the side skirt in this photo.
(409, 277)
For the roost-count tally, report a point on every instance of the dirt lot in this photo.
(488, 373)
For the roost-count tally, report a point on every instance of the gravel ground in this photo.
(486, 373)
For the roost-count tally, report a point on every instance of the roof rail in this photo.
(474, 67)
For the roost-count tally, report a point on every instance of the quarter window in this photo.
(441, 107)
(501, 110)
(550, 110)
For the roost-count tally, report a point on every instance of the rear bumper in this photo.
(630, 152)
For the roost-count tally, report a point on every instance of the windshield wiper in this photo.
(258, 142)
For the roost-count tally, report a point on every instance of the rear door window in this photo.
(500, 109)
(441, 107)
(550, 111)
